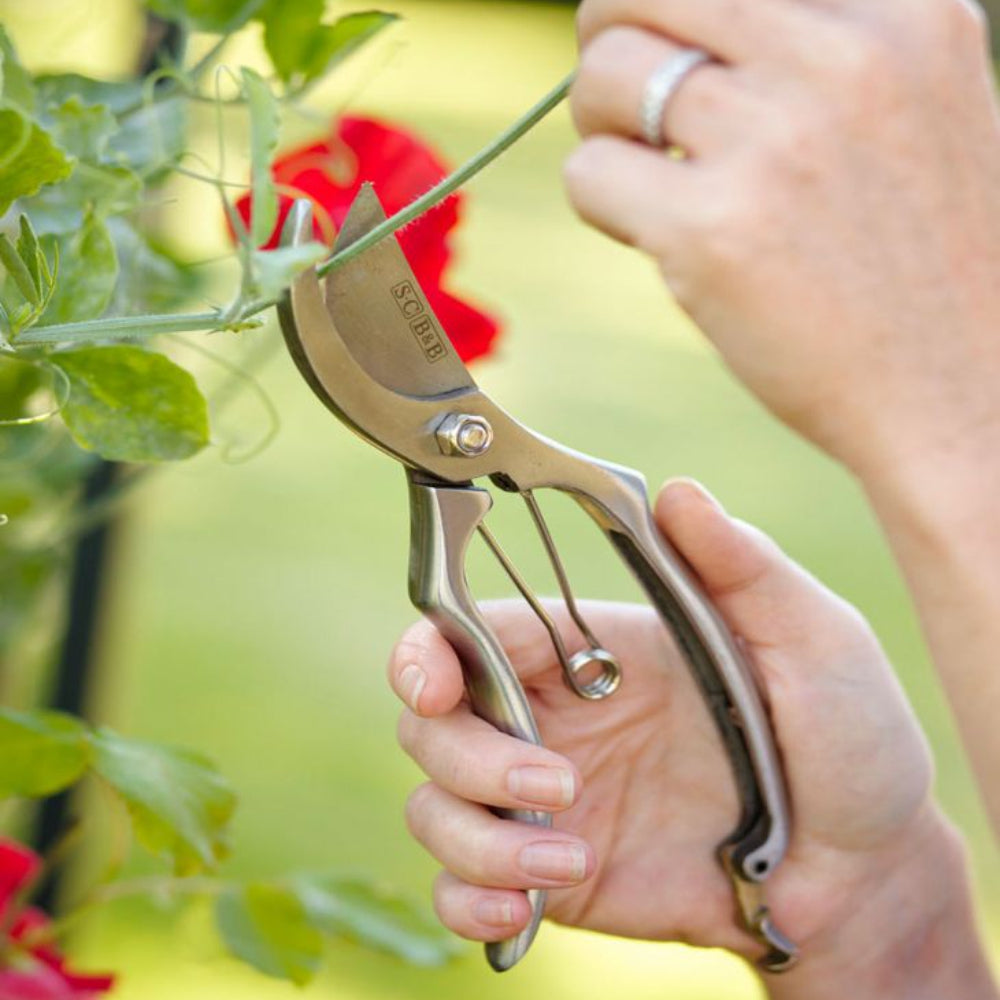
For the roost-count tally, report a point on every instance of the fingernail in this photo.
(495, 912)
(542, 786)
(693, 486)
(412, 682)
(555, 862)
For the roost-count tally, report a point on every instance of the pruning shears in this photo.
(369, 345)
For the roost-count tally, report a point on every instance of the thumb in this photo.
(763, 595)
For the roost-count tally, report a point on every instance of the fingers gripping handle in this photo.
(443, 522)
(618, 503)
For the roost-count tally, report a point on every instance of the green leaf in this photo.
(264, 126)
(360, 912)
(289, 29)
(29, 278)
(302, 48)
(218, 16)
(41, 753)
(80, 129)
(151, 138)
(87, 272)
(274, 270)
(131, 405)
(118, 96)
(16, 86)
(18, 270)
(151, 279)
(180, 805)
(31, 253)
(29, 158)
(268, 927)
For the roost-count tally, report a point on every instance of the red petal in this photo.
(18, 866)
(401, 168)
(471, 332)
(31, 922)
(38, 982)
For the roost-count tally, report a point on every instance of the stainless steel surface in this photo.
(576, 667)
(780, 954)
(460, 434)
(383, 316)
(608, 670)
(443, 521)
(390, 407)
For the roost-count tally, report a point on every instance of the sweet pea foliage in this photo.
(81, 158)
(87, 277)
(87, 280)
(180, 809)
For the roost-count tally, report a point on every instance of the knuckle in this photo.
(462, 772)
(601, 64)
(408, 732)
(590, 15)
(867, 63)
(418, 808)
(793, 147)
(583, 170)
(726, 227)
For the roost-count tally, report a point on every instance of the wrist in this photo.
(907, 929)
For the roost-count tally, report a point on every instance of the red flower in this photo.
(330, 174)
(30, 968)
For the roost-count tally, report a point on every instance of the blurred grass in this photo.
(256, 603)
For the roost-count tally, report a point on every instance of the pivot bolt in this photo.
(462, 434)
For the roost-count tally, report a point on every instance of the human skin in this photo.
(835, 232)
(873, 887)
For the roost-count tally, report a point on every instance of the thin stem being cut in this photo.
(119, 327)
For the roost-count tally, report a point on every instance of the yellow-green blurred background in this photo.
(255, 603)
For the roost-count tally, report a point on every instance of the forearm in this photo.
(941, 513)
(909, 934)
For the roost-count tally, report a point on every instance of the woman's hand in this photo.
(835, 229)
(643, 793)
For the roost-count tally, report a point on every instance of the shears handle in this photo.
(443, 521)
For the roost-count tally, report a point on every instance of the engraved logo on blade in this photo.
(430, 339)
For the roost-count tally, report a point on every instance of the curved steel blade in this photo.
(383, 316)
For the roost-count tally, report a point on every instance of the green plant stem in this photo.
(149, 326)
(453, 182)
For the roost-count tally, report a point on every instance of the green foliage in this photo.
(280, 928)
(118, 96)
(152, 137)
(29, 158)
(80, 161)
(32, 277)
(219, 16)
(303, 49)
(88, 270)
(132, 405)
(358, 911)
(264, 125)
(268, 927)
(272, 271)
(180, 805)
(16, 85)
(41, 753)
(150, 277)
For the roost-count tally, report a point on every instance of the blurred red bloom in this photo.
(330, 173)
(29, 968)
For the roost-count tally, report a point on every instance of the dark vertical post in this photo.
(88, 584)
(77, 652)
